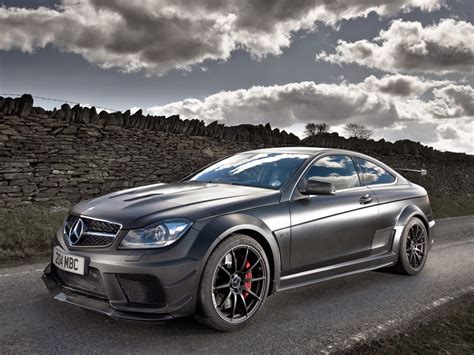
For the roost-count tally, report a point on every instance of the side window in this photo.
(336, 169)
(374, 174)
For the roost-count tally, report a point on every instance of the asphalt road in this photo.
(324, 317)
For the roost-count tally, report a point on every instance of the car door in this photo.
(331, 229)
(392, 197)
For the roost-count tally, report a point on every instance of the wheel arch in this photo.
(260, 238)
(408, 213)
(217, 230)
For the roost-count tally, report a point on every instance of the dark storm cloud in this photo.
(454, 101)
(403, 85)
(399, 86)
(154, 43)
(157, 36)
(408, 46)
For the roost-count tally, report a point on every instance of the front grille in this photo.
(95, 240)
(101, 226)
(89, 283)
(95, 233)
(141, 289)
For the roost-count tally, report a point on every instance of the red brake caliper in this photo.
(248, 284)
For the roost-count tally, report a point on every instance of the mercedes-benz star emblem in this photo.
(75, 232)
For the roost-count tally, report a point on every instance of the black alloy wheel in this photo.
(239, 283)
(413, 248)
(416, 246)
(235, 283)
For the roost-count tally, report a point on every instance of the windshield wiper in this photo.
(236, 184)
(224, 182)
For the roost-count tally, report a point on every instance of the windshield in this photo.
(267, 170)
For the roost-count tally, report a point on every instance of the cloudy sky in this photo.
(404, 68)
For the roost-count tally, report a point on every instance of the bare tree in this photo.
(322, 128)
(312, 129)
(358, 131)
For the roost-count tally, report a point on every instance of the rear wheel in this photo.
(234, 283)
(413, 248)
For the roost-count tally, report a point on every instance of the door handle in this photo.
(364, 200)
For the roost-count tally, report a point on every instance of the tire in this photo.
(234, 284)
(414, 237)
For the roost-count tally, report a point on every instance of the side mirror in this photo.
(316, 187)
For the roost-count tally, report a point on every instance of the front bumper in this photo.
(65, 294)
(138, 290)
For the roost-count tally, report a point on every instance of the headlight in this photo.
(156, 235)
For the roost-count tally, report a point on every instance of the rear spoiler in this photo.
(422, 172)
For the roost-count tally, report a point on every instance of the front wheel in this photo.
(234, 283)
(413, 248)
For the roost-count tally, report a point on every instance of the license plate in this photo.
(68, 262)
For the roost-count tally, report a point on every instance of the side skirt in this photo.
(338, 270)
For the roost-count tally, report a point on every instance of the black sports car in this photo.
(219, 242)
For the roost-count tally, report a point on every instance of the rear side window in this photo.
(339, 170)
(374, 174)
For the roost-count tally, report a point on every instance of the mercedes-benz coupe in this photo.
(219, 242)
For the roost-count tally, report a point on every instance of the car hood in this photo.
(138, 207)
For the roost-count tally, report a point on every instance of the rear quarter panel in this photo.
(393, 199)
(397, 204)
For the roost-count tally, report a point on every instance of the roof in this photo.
(299, 150)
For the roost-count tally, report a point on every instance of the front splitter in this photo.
(102, 306)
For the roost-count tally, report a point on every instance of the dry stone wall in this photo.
(75, 153)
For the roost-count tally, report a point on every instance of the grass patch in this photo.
(452, 206)
(26, 232)
(449, 330)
